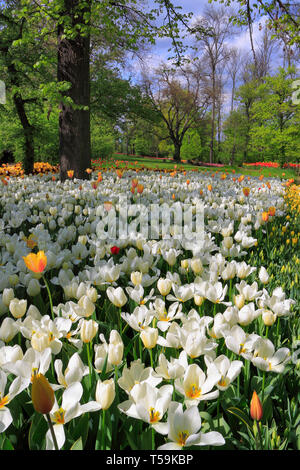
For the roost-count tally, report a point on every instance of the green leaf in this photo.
(77, 445)
(241, 416)
(7, 445)
(81, 429)
(130, 441)
(37, 432)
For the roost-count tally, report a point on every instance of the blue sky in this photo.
(241, 41)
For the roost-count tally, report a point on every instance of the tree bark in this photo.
(213, 118)
(28, 129)
(176, 155)
(74, 124)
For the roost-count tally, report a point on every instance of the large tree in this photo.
(178, 97)
(21, 48)
(216, 53)
(122, 24)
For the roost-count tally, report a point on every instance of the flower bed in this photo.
(143, 338)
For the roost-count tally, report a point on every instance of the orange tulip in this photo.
(70, 173)
(209, 187)
(265, 216)
(134, 182)
(246, 191)
(256, 409)
(272, 211)
(42, 394)
(36, 262)
(140, 188)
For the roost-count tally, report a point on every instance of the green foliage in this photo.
(102, 140)
(191, 146)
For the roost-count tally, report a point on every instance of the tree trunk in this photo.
(176, 155)
(28, 129)
(213, 118)
(74, 124)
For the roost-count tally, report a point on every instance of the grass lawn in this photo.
(158, 164)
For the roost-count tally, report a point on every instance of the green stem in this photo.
(52, 431)
(259, 435)
(141, 349)
(50, 297)
(103, 430)
(263, 387)
(151, 358)
(119, 320)
(117, 401)
(267, 331)
(152, 439)
(89, 362)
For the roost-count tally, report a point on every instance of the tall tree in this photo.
(215, 51)
(179, 99)
(18, 55)
(123, 24)
(73, 66)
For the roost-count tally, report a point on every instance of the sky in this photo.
(241, 41)
(159, 53)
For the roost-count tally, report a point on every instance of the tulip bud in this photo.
(115, 348)
(164, 286)
(105, 393)
(7, 296)
(8, 329)
(33, 288)
(256, 410)
(239, 301)
(136, 278)
(263, 275)
(13, 280)
(87, 305)
(196, 265)
(40, 340)
(116, 296)
(92, 294)
(88, 330)
(269, 317)
(184, 263)
(198, 299)
(42, 394)
(18, 307)
(228, 242)
(149, 337)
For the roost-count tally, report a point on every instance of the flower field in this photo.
(154, 340)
